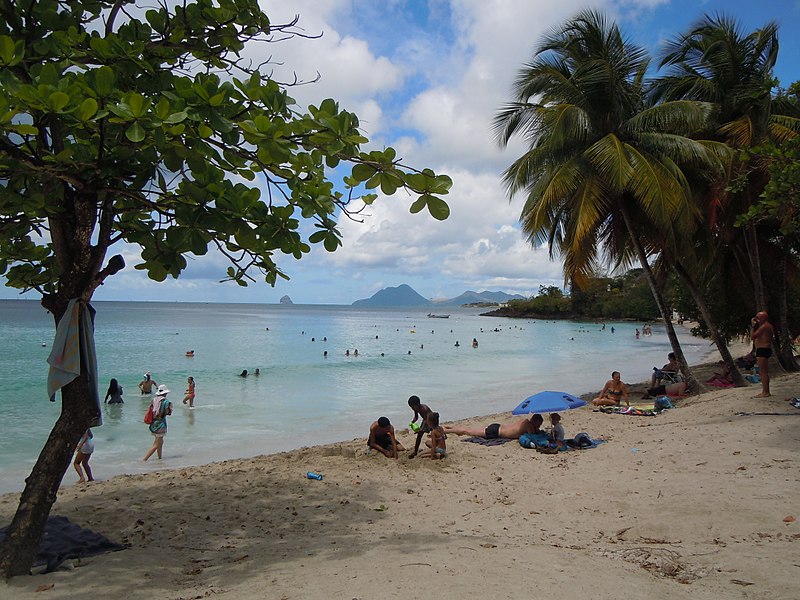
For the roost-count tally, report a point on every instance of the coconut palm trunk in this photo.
(719, 342)
(784, 340)
(662, 305)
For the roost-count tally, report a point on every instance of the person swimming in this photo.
(243, 373)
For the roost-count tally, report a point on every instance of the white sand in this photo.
(688, 504)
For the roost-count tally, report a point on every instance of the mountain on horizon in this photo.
(405, 295)
(402, 295)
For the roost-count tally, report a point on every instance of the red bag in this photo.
(148, 416)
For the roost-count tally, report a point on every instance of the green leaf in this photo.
(389, 183)
(438, 208)
(135, 132)
(49, 75)
(204, 131)
(11, 52)
(362, 172)
(332, 242)
(157, 20)
(88, 109)
(57, 101)
(138, 104)
(104, 81)
(24, 129)
(418, 205)
(178, 117)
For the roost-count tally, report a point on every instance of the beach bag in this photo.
(531, 440)
(662, 402)
(148, 416)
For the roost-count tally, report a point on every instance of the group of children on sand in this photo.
(382, 434)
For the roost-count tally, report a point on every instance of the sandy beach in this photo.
(697, 502)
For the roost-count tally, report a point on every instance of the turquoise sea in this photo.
(300, 398)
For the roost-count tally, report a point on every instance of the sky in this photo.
(427, 77)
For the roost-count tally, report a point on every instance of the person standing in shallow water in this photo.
(147, 384)
(114, 393)
(83, 452)
(762, 334)
(161, 408)
(189, 397)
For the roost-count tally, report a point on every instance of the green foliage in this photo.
(624, 297)
(780, 200)
(117, 127)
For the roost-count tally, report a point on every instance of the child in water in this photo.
(83, 452)
(437, 443)
(189, 397)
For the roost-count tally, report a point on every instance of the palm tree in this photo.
(717, 62)
(601, 168)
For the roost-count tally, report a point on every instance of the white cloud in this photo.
(426, 78)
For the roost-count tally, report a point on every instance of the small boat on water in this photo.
(433, 316)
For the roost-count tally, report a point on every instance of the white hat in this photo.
(162, 390)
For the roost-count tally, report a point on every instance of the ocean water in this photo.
(301, 397)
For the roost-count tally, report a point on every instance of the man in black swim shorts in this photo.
(497, 430)
(492, 432)
(762, 334)
(763, 352)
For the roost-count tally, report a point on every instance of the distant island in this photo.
(405, 296)
(286, 300)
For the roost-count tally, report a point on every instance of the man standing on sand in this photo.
(761, 335)
(381, 438)
(508, 430)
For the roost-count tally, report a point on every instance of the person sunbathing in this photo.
(613, 392)
(673, 389)
(723, 378)
(496, 430)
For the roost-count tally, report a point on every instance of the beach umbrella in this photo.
(548, 402)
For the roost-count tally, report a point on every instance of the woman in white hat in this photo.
(161, 407)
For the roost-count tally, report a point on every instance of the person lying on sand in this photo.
(613, 391)
(382, 439)
(722, 378)
(496, 430)
(673, 389)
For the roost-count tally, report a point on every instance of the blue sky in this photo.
(427, 78)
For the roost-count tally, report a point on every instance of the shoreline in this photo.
(692, 503)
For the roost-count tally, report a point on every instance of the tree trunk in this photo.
(753, 254)
(783, 340)
(736, 375)
(662, 307)
(18, 549)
